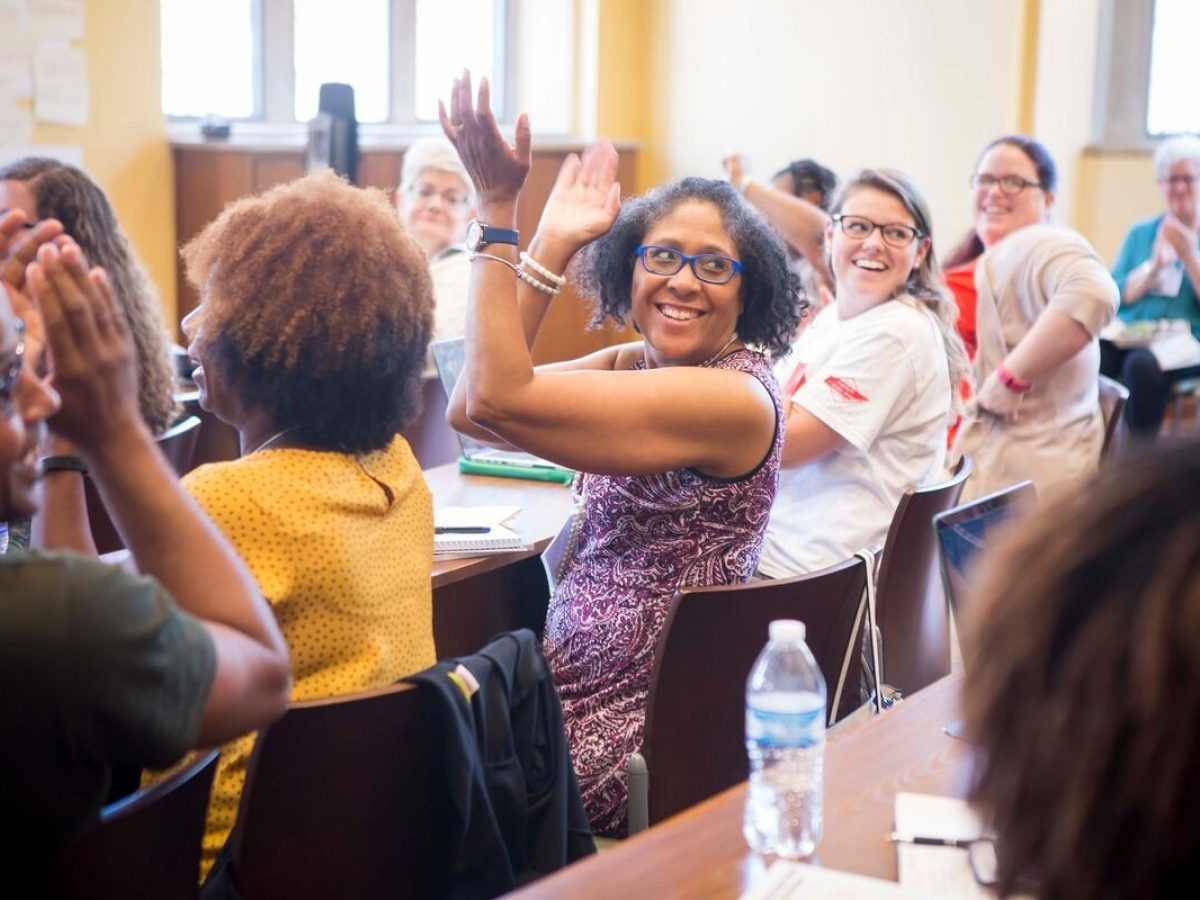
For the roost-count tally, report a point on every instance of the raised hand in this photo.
(735, 169)
(585, 199)
(497, 168)
(90, 346)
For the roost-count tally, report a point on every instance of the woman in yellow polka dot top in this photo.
(315, 312)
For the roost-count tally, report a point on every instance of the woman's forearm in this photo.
(498, 357)
(1053, 339)
(801, 223)
(555, 255)
(62, 521)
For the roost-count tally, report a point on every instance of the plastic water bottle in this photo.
(785, 740)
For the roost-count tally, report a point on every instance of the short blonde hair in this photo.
(1185, 147)
(437, 154)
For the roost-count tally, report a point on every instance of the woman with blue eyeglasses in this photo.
(676, 436)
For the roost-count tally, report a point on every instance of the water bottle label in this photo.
(785, 729)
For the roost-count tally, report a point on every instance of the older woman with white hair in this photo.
(435, 201)
(1158, 272)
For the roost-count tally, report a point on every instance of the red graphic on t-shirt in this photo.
(796, 381)
(845, 389)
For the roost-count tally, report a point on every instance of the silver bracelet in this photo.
(542, 270)
(534, 283)
(475, 256)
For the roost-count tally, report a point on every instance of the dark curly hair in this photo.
(66, 193)
(771, 303)
(1083, 686)
(318, 308)
(809, 176)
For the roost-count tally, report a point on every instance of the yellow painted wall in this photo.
(626, 36)
(919, 85)
(124, 143)
(1115, 190)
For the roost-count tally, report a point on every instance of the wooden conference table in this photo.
(701, 852)
(475, 599)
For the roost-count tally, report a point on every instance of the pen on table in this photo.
(930, 841)
(462, 529)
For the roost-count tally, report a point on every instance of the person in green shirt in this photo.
(102, 668)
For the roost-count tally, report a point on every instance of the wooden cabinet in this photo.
(210, 175)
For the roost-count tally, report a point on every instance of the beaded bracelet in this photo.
(537, 267)
(530, 280)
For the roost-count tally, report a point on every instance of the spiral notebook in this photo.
(495, 536)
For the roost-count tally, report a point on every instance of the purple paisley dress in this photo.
(638, 539)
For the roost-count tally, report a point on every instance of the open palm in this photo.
(585, 198)
(497, 168)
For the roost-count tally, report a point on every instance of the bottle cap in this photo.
(786, 630)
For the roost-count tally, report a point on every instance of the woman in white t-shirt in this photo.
(868, 384)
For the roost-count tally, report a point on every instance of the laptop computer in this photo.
(479, 459)
(961, 533)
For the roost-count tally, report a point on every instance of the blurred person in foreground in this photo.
(104, 669)
(1083, 687)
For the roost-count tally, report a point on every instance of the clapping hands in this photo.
(1181, 238)
(89, 343)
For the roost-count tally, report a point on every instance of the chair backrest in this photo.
(346, 798)
(1113, 397)
(177, 443)
(694, 739)
(147, 845)
(910, 606)
(964, 530)
(432, 441)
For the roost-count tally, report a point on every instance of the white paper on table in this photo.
(932, 869)
(14, 24)
(59, 20)
(787, 880)
(60, 84)
(473, 516)
(1175, 349)
(16, 123)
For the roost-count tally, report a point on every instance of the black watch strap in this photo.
(63, 464)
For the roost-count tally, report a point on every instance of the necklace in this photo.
(712, 359)
(273, 438)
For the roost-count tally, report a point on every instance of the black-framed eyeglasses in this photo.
(894, 234)
(10, 376)
(712, 268)
(1184, 180)
(1009, 184)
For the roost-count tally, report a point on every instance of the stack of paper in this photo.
(461, 531)
(934, 870)
(800, 881)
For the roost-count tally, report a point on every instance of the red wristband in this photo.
(1010, 381)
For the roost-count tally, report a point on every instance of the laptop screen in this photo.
(449, 357)
(963, 531)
